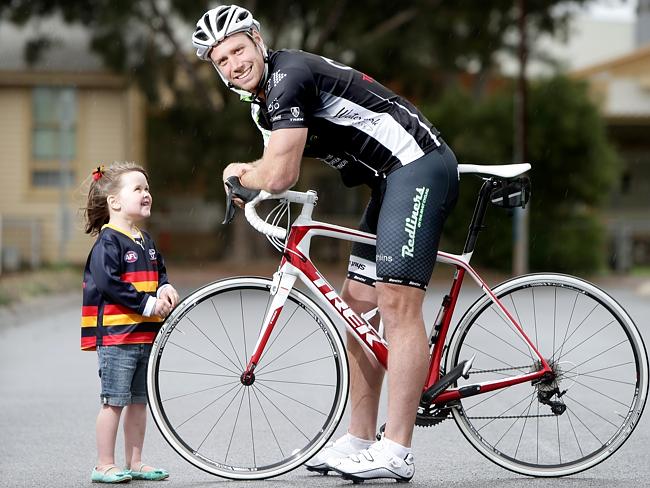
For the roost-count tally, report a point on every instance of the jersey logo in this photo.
(152, 254)
(131, 256)
(295, 113)
(335, 64)
(275, 79)
(274, 105)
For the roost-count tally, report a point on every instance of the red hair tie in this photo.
(98, 173)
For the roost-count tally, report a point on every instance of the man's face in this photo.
(239, 60)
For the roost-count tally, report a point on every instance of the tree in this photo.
(390, 39)
(574, 167)
(419, 48)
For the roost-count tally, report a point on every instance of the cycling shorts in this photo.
(407, 210)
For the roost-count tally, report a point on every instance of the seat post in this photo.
(478, 217)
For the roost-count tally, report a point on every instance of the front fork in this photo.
(280, 288)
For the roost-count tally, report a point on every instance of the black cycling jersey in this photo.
(355, 124)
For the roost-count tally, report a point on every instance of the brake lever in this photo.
(230, 208)
(234, 189)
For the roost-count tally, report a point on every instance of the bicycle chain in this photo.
(429, 420)
(513, 368)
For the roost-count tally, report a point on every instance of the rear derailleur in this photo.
(547, 388)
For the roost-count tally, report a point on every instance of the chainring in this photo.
(430, 415)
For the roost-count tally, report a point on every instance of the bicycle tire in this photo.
(205, 411)
(594, 348)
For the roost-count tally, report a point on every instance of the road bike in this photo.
(545, 374)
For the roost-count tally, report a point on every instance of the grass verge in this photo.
(20, 286)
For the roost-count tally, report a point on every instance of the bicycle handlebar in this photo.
(256, 221)
(254, 197)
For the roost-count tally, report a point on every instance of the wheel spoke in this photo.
(480, 351)
(575, 435)
(585, 340)
(585, 425)
(592, 411)
(282, 413)
(286, 351)
(203, 357)
(225, 329)
(293, 399)
(268, 423)
(189, 319)
(252, 427)
(234, 426)
(250, 416)
(207, 406)
(262, 372)
(593, 350)
(602, 394)
(199, 391)
(243, 326)
(524, 353)
(267, 349)
(568, 326)
(596, 356)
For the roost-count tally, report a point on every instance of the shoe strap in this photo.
(106, 470)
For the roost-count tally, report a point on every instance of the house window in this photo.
(54, 135)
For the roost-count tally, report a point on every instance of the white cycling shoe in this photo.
(374, 463)
(340, 448)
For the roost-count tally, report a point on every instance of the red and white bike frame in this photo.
(296, 263)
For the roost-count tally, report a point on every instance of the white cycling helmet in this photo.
(217, 24)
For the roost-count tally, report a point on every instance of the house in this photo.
(59, 118)
(621, 88)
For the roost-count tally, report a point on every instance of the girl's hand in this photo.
(161, 308)
(170, 295)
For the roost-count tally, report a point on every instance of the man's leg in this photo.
(366, 377)
(366, 374)
(408, 358)
(401, 309)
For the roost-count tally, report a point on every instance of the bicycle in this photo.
(545, 374)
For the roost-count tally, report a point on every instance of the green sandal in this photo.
(106, 477)
(153, 475)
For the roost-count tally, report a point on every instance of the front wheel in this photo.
(582, 413)
(231, 426)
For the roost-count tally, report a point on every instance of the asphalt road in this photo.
(49, 402)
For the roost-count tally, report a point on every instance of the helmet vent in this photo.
(200, 35)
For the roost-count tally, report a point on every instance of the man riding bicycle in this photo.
(306, 105)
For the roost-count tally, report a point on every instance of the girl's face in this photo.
(133, 200)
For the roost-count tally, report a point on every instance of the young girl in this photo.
(125, 298)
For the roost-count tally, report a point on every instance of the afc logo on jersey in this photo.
(152, 254)
(131, 256)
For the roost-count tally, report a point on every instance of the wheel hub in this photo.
(247, 378)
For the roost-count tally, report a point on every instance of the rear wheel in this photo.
(588, 408)
(246, 428)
